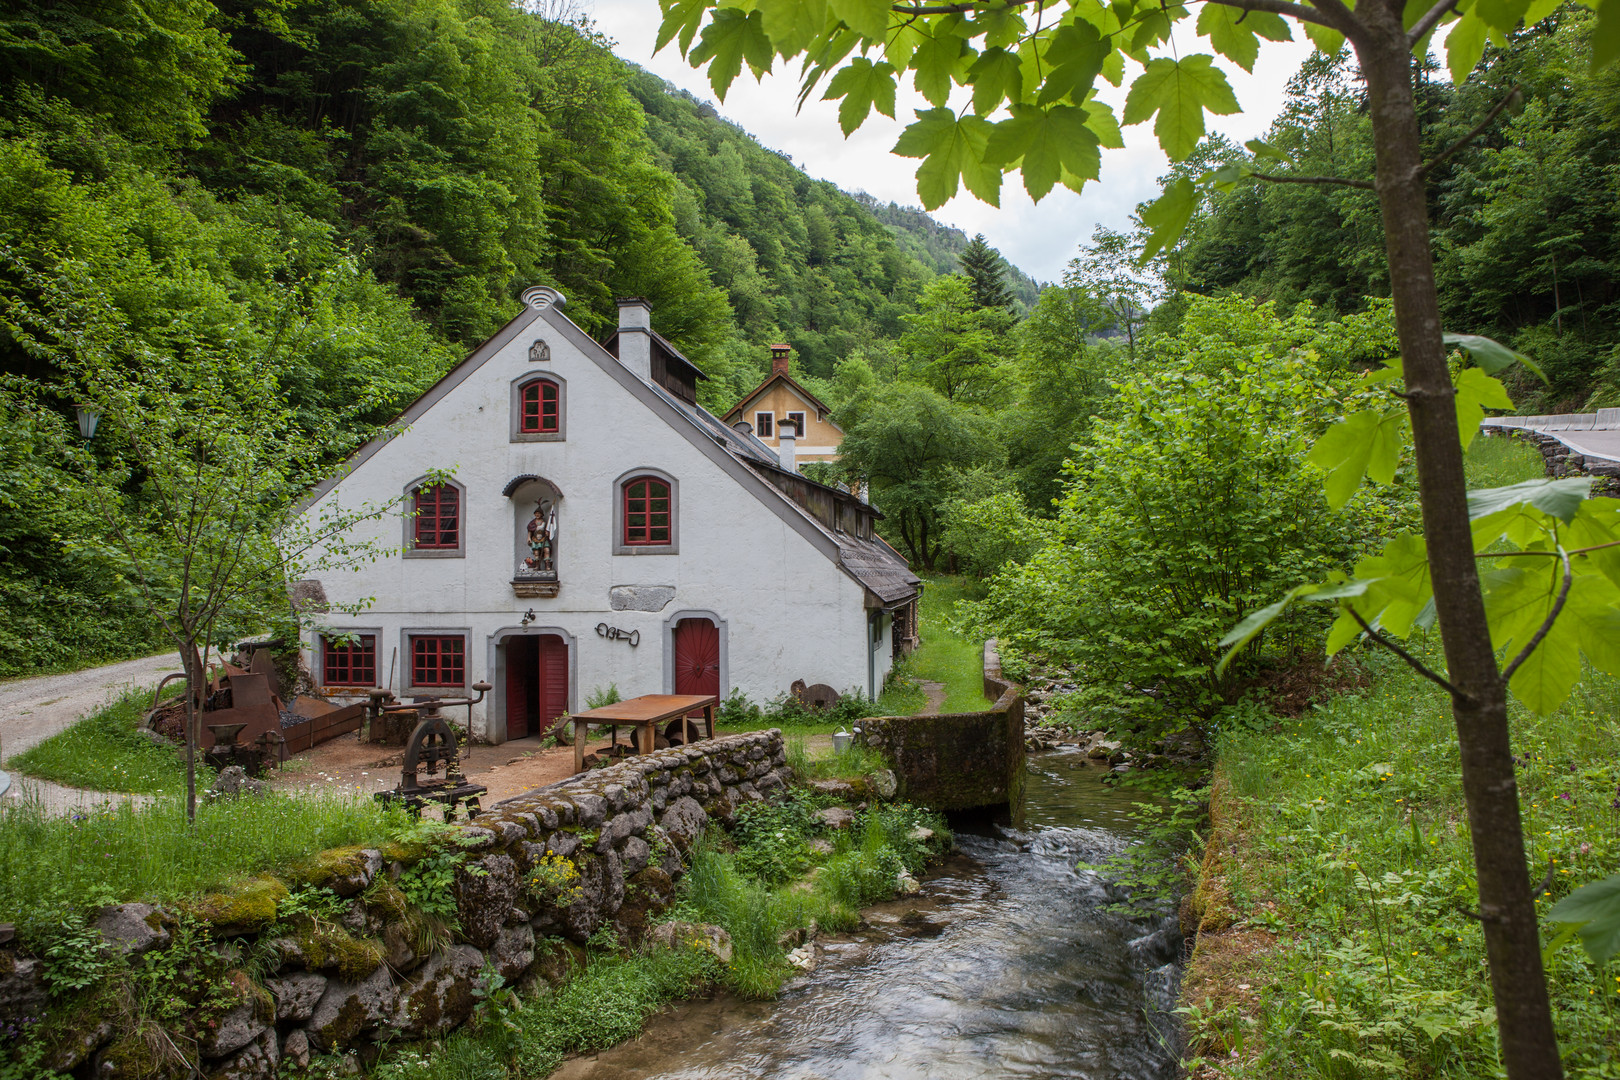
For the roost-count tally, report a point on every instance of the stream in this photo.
(1002, 965)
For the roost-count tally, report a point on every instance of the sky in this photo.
(1040, 240)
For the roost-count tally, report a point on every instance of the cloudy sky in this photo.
(1038, 239)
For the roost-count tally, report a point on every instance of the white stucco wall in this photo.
(785, 610)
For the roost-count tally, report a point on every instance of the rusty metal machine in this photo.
(434, 743)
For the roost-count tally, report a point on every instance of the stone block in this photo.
(296, 994)
(132, 929)
(482, 900)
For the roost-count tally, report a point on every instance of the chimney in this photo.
(785, 456)
(635, 336)
(781, 356)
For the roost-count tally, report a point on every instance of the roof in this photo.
(612, 346)
(794, 385)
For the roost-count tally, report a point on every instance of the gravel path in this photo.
(936, 696)
(32, 710)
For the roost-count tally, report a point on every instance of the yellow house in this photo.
(780, 406)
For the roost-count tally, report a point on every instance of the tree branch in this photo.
(1272, 178)
(1479, 129)
(1429, 21)
(1547, 624)
(1417, 665)
(1329, 13)
(1516, 554)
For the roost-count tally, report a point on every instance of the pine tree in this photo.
(984, 268)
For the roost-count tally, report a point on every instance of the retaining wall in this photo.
(624, 828)
(959, 761)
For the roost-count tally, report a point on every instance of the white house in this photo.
(601, 528)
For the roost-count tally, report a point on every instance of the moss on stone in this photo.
(136, 1057)
(332, 947)
(386, 899)
(243, 908)
(324, 867)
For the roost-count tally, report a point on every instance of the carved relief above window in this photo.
(539, 352)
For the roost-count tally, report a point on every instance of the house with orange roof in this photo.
(781, 408)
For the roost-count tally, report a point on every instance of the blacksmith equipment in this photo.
(432, 744)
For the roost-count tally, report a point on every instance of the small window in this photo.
(350, 661)
(797, 420)
(540, 413)
(438, 660)
(763, 423)
(438, 518)
(647, 512)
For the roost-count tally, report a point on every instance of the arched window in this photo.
(648, 512)
(438, 518)
(540, 407)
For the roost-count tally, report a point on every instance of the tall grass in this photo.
(856, 761)
(1498, 461)
(1348, 838)
(946, 656)
(104, 752)
(150, 853)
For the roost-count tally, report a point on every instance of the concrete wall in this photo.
(959, 761)
(624, 828)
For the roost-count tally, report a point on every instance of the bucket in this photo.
(841, 740)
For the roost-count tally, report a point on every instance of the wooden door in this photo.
(522, 686)
(697, 657)
(552, 663)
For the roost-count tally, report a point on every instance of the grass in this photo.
(854, 762)
(1498, 462)
(104, 752)
(1335, 886)
(946, 656)
(151, 854)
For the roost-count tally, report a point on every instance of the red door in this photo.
(536, 684)
(697, 657)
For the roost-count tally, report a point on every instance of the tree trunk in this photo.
(1507, 909)
(196, 686)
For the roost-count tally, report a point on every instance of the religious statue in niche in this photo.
(542, 539)
(539, 352)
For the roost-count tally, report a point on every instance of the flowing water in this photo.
(1004, 965)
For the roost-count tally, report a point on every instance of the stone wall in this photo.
(959, 761)
(625, 828)
(1560, 459)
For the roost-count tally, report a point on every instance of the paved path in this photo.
(32, 710)
(936, 696)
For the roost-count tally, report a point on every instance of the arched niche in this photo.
(537, 555)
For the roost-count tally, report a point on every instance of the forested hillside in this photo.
(346, 196)
(937, 245)
(1525, 217)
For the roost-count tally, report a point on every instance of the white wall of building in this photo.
(786, 611)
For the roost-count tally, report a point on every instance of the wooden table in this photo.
(644, 713)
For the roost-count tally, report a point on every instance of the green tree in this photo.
(1038, 63)
(1106, 270)
(909, 442)
(987, 272)
(956, 346)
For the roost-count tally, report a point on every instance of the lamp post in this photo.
(89, 417)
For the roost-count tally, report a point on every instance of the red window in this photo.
(349, 662)
(647, 511)
(438, 661)
(539, 415)
(438, 517)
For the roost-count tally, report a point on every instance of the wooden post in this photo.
(708, 718)
(579, 744)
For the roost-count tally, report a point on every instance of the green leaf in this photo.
(1076, 54)
(682, 17)
(862, 85)
(793, 24)
(1595, 619)
(1595, 910)
(1325, 38)
(1179, 92)
(1605, 35)
(726, 42)
(1500, 15)
(1493, 356)
(952, 149)
(868, 18)
(1400, 590)
(1100, 119)
(1597, 522)
(1244, 632)
(1364, 443)
(1464, 46)
(1560, 498)
(1232, 32)
(1540, 9)
(995, 76)
(1476, 392)
(1265, 150)
(938, 62)
(1544, 680)
(1168, 216)
(1048, 142)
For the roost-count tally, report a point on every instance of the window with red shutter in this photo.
(350, 662)
(438, 517)
(539, 408)
(438, 660)
(647, 511)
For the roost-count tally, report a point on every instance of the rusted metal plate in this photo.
(264, 664)
(313, 706)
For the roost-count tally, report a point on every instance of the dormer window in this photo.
(539, 410)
